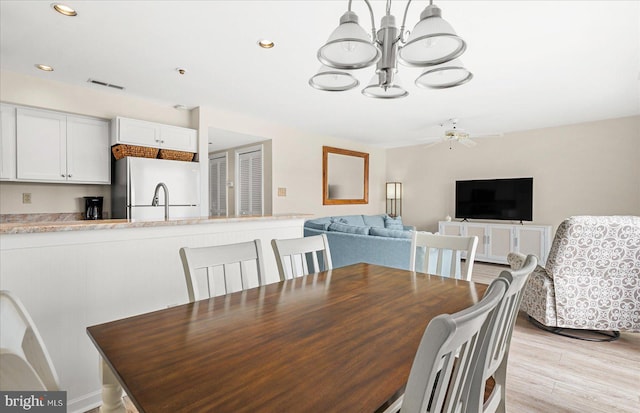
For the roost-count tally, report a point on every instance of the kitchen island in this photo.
(74, 274)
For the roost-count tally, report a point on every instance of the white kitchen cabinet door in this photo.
(88, 154)
(41, 145)
(136, 132)
(179, 139)
(7, 142)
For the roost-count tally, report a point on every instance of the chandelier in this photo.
(433, 45)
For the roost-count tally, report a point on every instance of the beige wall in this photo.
(585, 169)
(296, 157)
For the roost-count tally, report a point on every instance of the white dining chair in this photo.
(494, 353)
(443, 254)
(221, 261)
(299, 256)
(447, 357)
(25, 363)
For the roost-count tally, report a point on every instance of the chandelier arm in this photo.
(404, 21)
(374, 36)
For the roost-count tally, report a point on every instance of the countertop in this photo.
(85, 225)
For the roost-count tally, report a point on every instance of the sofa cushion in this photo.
(351, 220)
(350, 229)
(386, 232)
(374, 220)
(393, 223)
(324, 226)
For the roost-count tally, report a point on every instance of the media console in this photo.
(495, 241)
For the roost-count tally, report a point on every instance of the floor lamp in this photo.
(394, 199)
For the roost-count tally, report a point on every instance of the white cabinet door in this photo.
(154, 135)
(136, 132)
(88, 155)
(7, 142)
(533, 240)
(41, 145)
(480, 231)
(500, 242)
(450, 228)
(179, 139)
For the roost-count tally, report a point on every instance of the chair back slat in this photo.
(447, 251)
(228, 259)
(294, 256)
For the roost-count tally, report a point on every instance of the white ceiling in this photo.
(536, 63)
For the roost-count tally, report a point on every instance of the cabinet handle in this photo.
(69, 176)
(62, 175)
(161, 141)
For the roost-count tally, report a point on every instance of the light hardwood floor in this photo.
(548, 373)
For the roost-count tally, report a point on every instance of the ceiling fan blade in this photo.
(468, 142)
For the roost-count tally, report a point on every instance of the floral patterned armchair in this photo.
(592, 276)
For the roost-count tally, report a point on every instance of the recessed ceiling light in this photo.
(45, 68)
(64, 9)
(181, 70)
(266, 44)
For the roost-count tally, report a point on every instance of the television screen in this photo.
(505, 199)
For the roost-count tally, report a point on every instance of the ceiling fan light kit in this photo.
(433, 44)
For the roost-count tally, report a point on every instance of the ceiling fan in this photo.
(454, 134)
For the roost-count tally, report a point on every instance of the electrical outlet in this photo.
(282, 191)
(26, 197)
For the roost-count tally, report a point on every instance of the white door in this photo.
(218, 185)
(7, 142)
(480, 231)
(250, 185)
(179, 139)
(88, 155)
(500, 242)
(138, 132)
(531, 240)
(41, 145)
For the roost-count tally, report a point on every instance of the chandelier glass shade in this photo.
(333, 80)
(433, 44)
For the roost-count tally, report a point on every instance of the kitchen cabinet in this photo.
(151, 134)
(7, 142)
(57, 147)
(495, 241)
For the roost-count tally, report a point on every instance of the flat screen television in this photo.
(504, 199)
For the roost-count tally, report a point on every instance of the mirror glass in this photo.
(345, 176)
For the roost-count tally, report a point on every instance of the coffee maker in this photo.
(93, 207)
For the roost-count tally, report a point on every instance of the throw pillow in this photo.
(392, 233)
(393, 223)
(349, 229)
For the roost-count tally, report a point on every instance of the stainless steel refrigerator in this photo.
(134, 185)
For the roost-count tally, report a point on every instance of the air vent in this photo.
(98, 82)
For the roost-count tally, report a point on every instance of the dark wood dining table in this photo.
(338, 341)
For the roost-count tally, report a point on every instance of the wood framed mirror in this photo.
(345, 176)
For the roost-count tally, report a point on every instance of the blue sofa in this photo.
(374, 239)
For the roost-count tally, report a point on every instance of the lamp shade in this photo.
(349, 46)
(432, 41)
(374, 90)
(444, 76)
(333, 80)
(394, 190)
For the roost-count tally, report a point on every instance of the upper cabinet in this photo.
(156, 135)
(57, 147)
(7, 142)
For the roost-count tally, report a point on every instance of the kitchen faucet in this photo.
(156, 200)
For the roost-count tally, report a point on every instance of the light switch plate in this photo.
(282, 191)
(26, 197)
